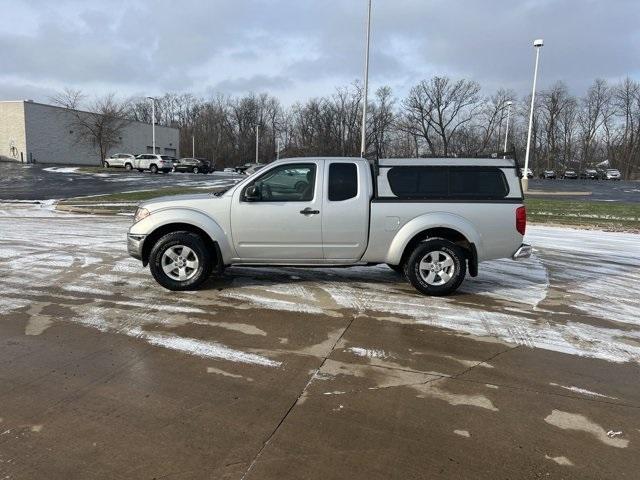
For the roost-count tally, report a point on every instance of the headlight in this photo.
(140, 214)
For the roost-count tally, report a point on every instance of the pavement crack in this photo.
(464, 372)
(297, 400)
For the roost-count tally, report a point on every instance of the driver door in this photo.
(282, 221)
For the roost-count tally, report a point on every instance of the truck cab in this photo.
(340, 212)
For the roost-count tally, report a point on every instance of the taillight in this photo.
(521, 220)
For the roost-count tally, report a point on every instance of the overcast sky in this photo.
(296, 49)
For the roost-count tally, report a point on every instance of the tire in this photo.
(195, 170)
(436, 251)
(105, 164)
(128, 166)
(396, 268)
(160, 261)
(153, 169)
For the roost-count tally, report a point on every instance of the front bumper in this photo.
(134, 245)
(524, 251)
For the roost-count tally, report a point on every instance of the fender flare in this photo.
(426, 222)
(188, 216)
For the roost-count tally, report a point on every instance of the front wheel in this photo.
(153, 169)
(128, 166)
(195, 170)
(436, 267)
(105, 164)
(180, 261)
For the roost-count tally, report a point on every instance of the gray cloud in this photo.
(299, 49)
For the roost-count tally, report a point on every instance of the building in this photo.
(36, 132)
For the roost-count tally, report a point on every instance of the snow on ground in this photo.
(61, 169)
(578, 294)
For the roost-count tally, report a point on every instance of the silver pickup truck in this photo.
(429, 219)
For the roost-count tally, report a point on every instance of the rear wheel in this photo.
(153, 169)
(128, 166)
(105, 164)
(436, 267)
(196, 170)
(180, 261)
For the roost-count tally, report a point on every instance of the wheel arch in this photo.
(451, 227)
(163, 222)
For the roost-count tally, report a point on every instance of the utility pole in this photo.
(257, 142)
(153, 122)
(278, 148)
(525, 179)
(506, 135)
(366, 85)
(193, 146)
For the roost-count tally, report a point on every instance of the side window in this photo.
(419, 182)
(343, 181)
(287, 183)
(488, 182)
(448, 182)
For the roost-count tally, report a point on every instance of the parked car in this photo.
(571, 174)
(193, 165)
(242, 168)
(529, 173)
(120, 160)
(589, 174)
(229, 170)
(253, 169)
(612, 174)
(154, 163)
(548, 175)
(431, 220)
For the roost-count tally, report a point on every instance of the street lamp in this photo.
(506, 135)
(153, 122)
(525, 179)
(366, 83)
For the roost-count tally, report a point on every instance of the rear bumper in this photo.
(134, 245)
(524, 251)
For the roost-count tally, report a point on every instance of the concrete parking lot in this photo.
(530, 371)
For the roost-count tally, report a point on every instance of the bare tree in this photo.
(595, 111)
(439, 107)
(381, 122)
(101, 126)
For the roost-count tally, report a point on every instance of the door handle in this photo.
(309, 211)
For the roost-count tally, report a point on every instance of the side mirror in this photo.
(252, 193)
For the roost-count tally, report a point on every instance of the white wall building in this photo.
(36, 132)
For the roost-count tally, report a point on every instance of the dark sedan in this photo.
(589, 174)
(192, 165)
(548, 175)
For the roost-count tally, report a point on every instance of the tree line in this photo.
(438, 116)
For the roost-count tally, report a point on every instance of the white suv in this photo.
(121, 160)
(154, 163)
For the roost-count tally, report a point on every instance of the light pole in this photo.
(506, 135)
(153, 122)
(278, 148)
(257, 142)
(525, 179)
(193, 146)
(366, 83)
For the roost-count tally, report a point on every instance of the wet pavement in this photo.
(43, 182)
(531, 371)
